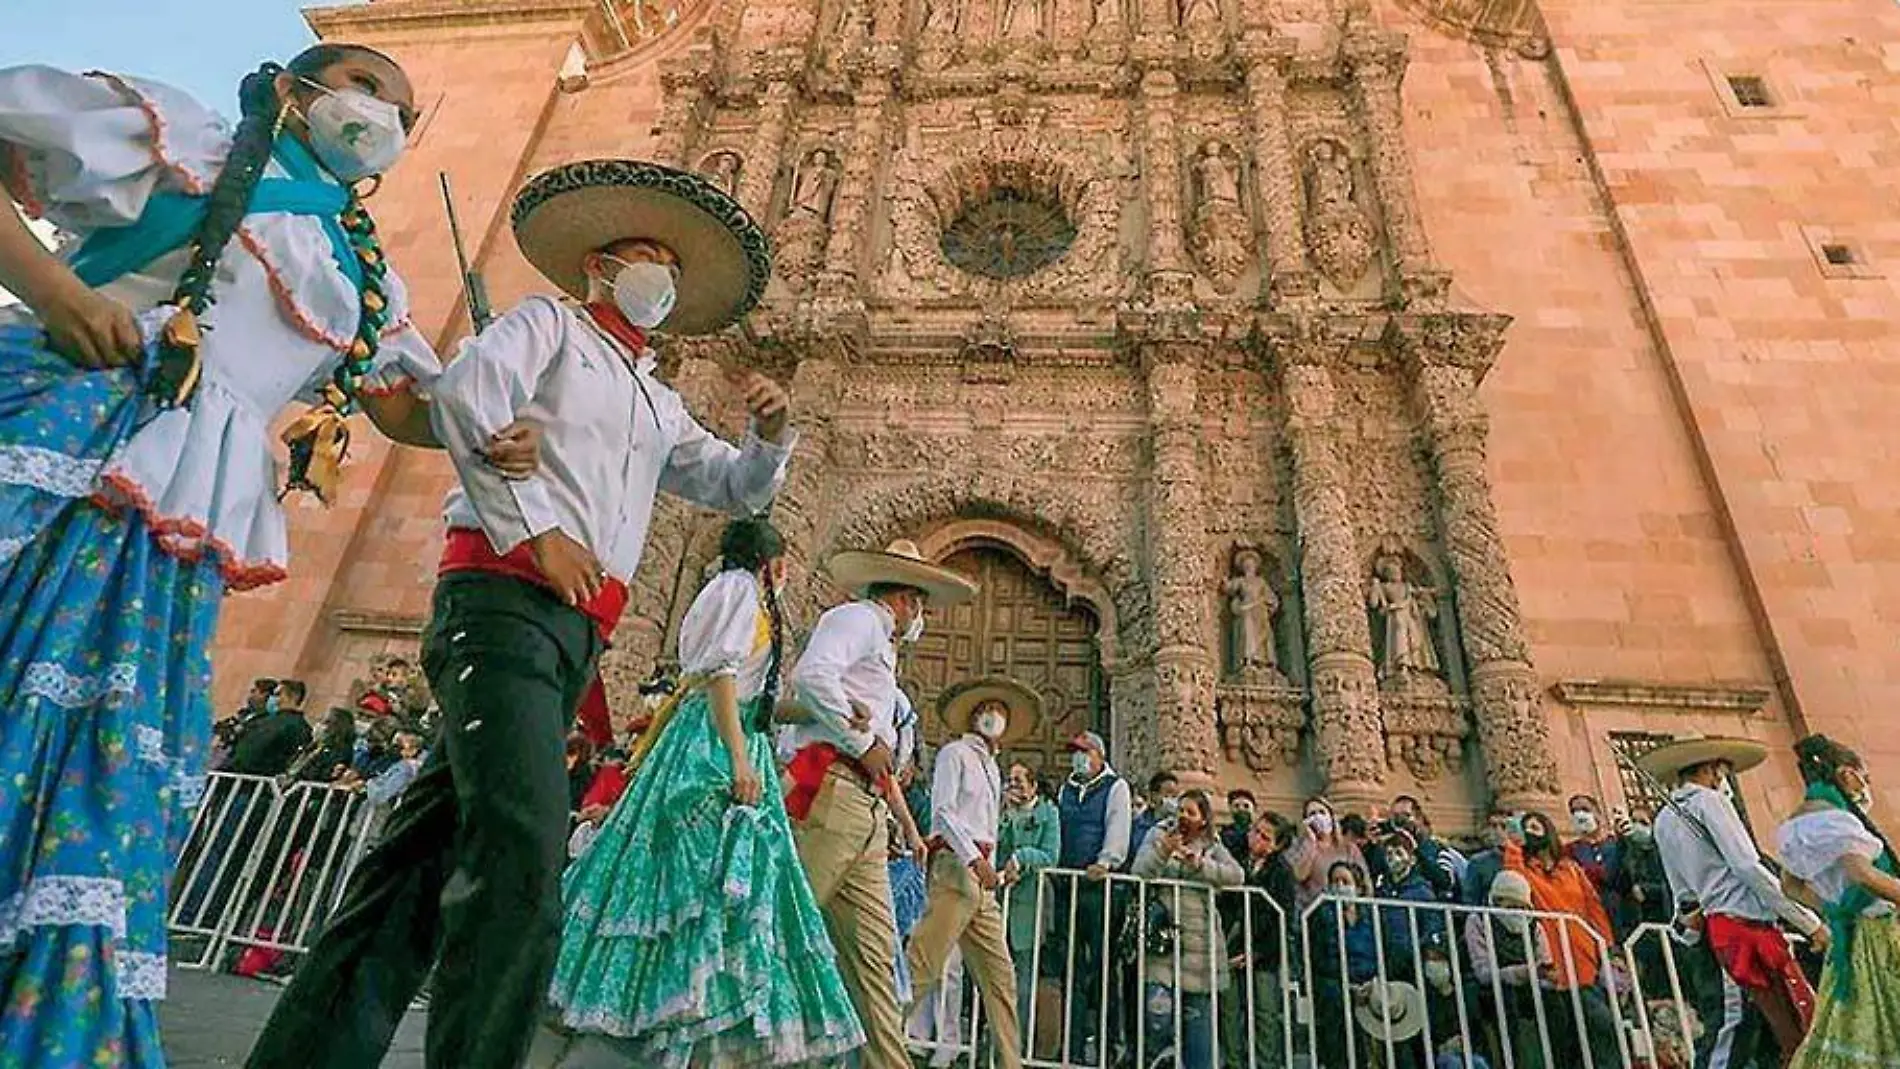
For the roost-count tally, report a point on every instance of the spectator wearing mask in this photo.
(1158, 803)
(224, 733)
(1559, 885)
(1265, 867)
(1640, 879)
(1405, 880)
(1320, 845)
(1031, 841)
(1509, 954)
(266, 745)
(1598, 852)
(1096, 818)
(330, 752)
(1240, 814)
(1186, 849)
(1500, 827)
(1409, 817)
(1345, 956)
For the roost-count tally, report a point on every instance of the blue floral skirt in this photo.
(105, 682)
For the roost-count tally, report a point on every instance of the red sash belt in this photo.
(808, 769)
(469, 550)
(1756, 954)
(938, 846)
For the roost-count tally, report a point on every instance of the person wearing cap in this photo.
(840, 772)
(1097, 815)
(966, 805)
(1709, 855)
(532, 580)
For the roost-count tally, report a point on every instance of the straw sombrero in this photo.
(563, 214)
(1665, 761)
(1393, 1010)
(900, 564)
(1025, 708)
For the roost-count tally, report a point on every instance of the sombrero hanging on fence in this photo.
(899, 564)
(565, 213)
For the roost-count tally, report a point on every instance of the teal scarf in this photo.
(1844, 915)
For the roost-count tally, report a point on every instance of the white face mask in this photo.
(1346, 890)
(353, 134)
(990, 724)
(1321, 823)
(644, 293)
(1080, 763)
(916, 629)
(1438, 974)
(1584, 821)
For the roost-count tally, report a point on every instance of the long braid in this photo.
(777, 656)
(231, 193)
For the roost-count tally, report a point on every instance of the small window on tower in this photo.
(1838, 255)
(1751, 91)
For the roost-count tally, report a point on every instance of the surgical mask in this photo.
(644, 293)
(1080, 763)
(1243, 819)
(1641, 833)
(354, 135)
(1865, 798)
(916, 629)
(1515, 829)
(1584, 821)
(1346, 889)
(1492, 837)
(990, 725)
(1399, 863)
(1438, 974)
(271, 704)
(1537, 844)
(1171, 807)
(1321, 823)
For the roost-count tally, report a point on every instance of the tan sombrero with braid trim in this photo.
(1025, 708)
(565, 213)
(1666, 761)
(899, 564)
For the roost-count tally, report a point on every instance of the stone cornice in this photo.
(1747, 699)
(359, 622)
(437, 14)
(1467, 340)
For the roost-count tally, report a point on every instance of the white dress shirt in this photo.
(1728, 876)
(612, 437)
(851, 657)
(966, 797)
(727, 633)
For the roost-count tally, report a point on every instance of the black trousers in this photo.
(467, 875)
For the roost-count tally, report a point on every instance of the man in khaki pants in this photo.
(966, 805)
(840, 773)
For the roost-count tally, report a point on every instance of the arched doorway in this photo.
(1019, 627)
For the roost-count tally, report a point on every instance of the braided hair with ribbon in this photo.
(750, 545)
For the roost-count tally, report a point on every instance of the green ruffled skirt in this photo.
(691, 934)
(1862, 1032)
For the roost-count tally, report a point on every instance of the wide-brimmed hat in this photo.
(1666, 761)
(899, 564)
(1025, 708)
(565, 213)
(1393, 1010)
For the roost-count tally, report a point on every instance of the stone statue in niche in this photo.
(722, 169)
(1221, 238)
(1105, 15)
(1339, 233)
(1402, 615)
(1020, 19)
(1199, 12)
(816, 182)
(1251, 605)
(801, 235)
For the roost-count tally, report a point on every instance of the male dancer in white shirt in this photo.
(467, 876)
(966, 809)
(841, 773)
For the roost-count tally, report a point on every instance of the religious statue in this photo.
(1199, 12)
(1219, 182)
(1021, 18)
(817, 180)
(1402, 613)
(942, 17)
(1338, 231)
(722, 168)
(1251, 604)
(1221, 236)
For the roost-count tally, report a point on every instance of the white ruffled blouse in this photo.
(1812, 846)
(86, 152)
(726, 632)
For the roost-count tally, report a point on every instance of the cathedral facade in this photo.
(1444, 397)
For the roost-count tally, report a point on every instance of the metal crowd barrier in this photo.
(1425, 985)
(262, 866)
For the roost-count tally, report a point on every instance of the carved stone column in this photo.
(686, 83)
(1448, 355)
(1184, 667)
(765, 151)
(1347, 734)
(1276, 180)
(1377, 63)
(1169, 280)
(850, 208)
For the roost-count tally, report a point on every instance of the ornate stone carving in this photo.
(1222, 237)
(801, 235)
(1260, 725)
(1183, 668)
(1515, 24)
(723, 168)
(1275, 176)
(1338, 231)
(1252, 606)
(1168, 282)
(1746, 699)
(1425, 733)
(1020, 19)
(1347, 727)
(1404, 615)
(1377, 62)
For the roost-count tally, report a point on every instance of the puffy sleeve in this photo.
(721, 629)
(1815, 842)
(87, 151)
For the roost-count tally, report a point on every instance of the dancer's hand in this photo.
(89, 328)
(860, 717)
(575, 573)
(985, 873)
(876, 760)
(764, 399)
(1820, 939)
(515, 450)
(747, 788)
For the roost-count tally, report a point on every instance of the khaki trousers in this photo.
(962, 914)
(845, 848)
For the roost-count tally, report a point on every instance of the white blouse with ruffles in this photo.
(1812, 846)
(726, 633)
(86, 152)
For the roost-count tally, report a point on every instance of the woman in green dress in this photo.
(691, 935)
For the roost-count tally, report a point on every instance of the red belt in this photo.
(1756, 954)
(469, 550)
(938, 846)
(808, 769)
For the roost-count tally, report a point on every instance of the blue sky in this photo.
(202, 46)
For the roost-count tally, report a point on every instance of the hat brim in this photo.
(1025, 708)
(1665, 761)
(857, 570)
(725, 259)
(1405, 1017)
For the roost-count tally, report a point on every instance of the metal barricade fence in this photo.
(262, 866)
